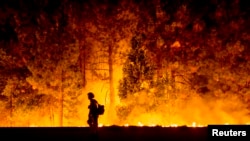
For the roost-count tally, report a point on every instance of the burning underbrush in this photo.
(146, 109)
(182, 109)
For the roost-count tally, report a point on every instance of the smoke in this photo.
(227, 108)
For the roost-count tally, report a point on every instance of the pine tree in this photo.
(137, 69)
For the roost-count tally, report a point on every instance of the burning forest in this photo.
(158, 62)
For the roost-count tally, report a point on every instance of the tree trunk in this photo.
(82, 63)
(51, 116)
(159, 66)
(11, 108)
(158, 16)
(173, 81)
(111, 83)
(61, 102)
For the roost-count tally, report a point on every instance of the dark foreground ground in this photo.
(113, 133)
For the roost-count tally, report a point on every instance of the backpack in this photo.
(100, 109)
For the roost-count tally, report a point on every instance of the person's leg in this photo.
(95, 124)
(91, 124)
(93, 130)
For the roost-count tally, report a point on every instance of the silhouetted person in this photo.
(93, 113)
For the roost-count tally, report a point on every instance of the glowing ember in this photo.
(193, 124)
(100, 125)
(152, 125)
(173, 125)
(201, 125)
(140, 124)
